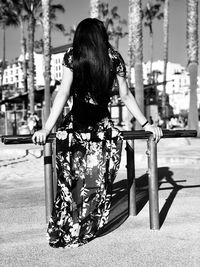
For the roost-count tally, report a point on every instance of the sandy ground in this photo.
(125, 241)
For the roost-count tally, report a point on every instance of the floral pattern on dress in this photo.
(87, 162)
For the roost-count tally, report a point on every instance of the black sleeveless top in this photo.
(85, 110)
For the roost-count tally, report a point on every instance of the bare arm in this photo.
(60, 99)
(129, 100)
(58, 105)
(131, 104)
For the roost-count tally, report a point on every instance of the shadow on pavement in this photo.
(119, 209)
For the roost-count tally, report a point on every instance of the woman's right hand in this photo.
(156, 131)
(40, 137)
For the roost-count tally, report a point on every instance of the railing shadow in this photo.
(142, 194)
(119, 208)
(168, 203)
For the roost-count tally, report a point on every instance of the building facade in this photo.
(177, 78)
(13, 73)
(177, 84)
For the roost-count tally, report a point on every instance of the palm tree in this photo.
(192, 54)
(18, 10)
(94, 8)
(31, 7)
(130, 40)
(39, 44)
(22, 19)
(7, 18)
(47, 53)
(136, 47)
(165, 42)
(150, 13)
(47, 75)
(34, 11)
(113, 23)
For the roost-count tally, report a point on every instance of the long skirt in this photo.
(87, 161)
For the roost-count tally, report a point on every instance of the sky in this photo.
(76, 10)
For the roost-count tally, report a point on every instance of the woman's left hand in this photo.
(157, 131)
(39, 137)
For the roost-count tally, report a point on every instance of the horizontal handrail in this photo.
(127, 135)
(141, 134)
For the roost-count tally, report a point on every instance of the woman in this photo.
(88, 145)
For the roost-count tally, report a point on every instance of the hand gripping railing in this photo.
(129, 136)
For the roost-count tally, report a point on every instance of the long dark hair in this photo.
(91, 62)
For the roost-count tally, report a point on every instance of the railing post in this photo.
(153, 184)
(131, 178)
(6, 122)
(48, 179)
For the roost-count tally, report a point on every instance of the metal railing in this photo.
(129, 136)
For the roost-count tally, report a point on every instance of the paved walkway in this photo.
(125, 241)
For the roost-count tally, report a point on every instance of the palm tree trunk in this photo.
(192, 52)
(151, 59)
(31, 31)
(23, 51)
(130, 40)
(47, 54)
(138, 53)
(4, 53)
(166, 42)
(49, 192)
(94, 8)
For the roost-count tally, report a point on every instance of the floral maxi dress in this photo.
(87, 161)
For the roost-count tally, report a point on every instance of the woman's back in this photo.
(91, 96)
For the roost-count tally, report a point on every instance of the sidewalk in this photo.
(126, 241)
(19, 150)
